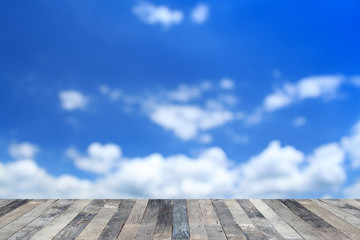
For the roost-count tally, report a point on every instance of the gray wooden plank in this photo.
(196, 223)
(11, 206)
(180, 220)
(55, 226)
(164, 222)
(75, 227)
(244, 222)
(297, 223)
(114, 226)
(231, 228)
(259, 220)
(148, 223)
(337, 222)
(212, 223)
(352, 202)
(327, 230)
(280, 225)
(25, 219)
(344, 206)
(32, 228)
(4, 202)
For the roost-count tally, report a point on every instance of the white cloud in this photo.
(113, 94)
(23, 150)
(353, 191)
(187, 120)
(100, 158)
(200, 14)
(311, 87)
(205, 138)
(152, 14)
(299, 121)
(227, 83)
(185, 93)
(72, 100)
(352, 145)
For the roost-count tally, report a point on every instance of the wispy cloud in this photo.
(299, 121)
(227, 83)
(200, 14)
(72, 100)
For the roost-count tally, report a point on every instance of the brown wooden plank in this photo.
(212, 223)
(75, 227)
(25, 219)
(244, 222)
(297, 223)
(164, 222)
(32, 228)
(228, 223)
(325, 229)
(132, 224)
(259, 220)
(114, 226)
(280, 225)
(55, 226)
(148, 223)
(180, 220)
(344, 206)
(13, 205)
(196, 223)
(337, 222)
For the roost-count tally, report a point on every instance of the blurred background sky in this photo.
(175, 99)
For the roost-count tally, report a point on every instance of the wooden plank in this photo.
(297, 223)
(337, 222)
(228, 223)
(323, 227)
(16, 213)
(25, 219)
(11, 206)
(352, 202)
(164, 222)
(75, 227)
(259, 220)
(93, 230)
(54, 227)
(280, 225)
(244, 222)
(196, 224)
(31, 229)
(115, 224)
(148, 223)
(344, 206)
(132, 224)
(4, 202)
(212, 223)
(336, 211)
(180, 220)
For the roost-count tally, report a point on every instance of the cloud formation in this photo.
(71, 100)
(23, 150)
(200, 14)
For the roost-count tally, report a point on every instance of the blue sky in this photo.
(179, 99)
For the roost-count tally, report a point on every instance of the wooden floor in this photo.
(179, 219)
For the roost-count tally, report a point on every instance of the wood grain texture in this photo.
(148, 223)
(344, 206)
(335, 221)
(4, 202)
(352, 202)
(196, 224)
(54, 227)
(11, 206)
(303, 228)
(115, 224)
(164, 222)
(228, 223)
(212, 223)
(180, 220)
(323, 227)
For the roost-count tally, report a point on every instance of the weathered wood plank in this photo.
(25, 219)
(259, 220)
(16, 213)
(337, 222)
(280, 225)
(231, 228)
(244, 222)
(32, 228)
(148, 223)
(352, 202)
(75, 227)
(132, 224)
(196, 224)
(344, 206)
(54, 227)
(164, 222)
(323, 227)
(115, 224)
(4, 202)
(180, 220)
(212, 223)
(11, 206)
(336, 211)
(303, 228)
(93, 230)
